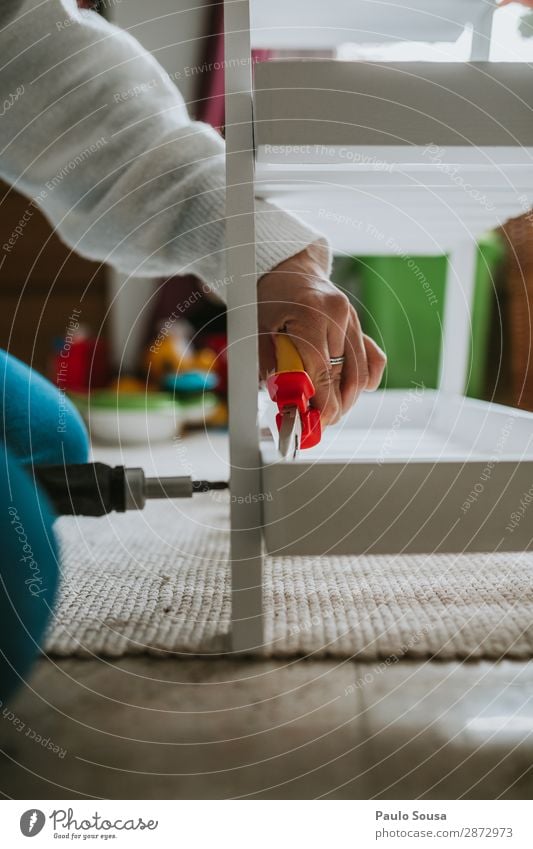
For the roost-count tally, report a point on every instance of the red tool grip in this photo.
(295, 389)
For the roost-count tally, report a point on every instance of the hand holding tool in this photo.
(291, 388)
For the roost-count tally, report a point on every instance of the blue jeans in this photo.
(39, 426)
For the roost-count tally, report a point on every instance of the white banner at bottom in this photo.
(267, 824)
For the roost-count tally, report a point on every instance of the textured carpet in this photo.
(157, 582)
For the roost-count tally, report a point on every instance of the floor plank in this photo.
(160, 728)
(188, 728)
(448, 730)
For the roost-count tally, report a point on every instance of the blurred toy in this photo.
(218, 343)
(193, 391)
(80, 361)
(127, 384)
(134, 418)
(195, 377)
(218, 417)
(190, 383)
(170, 351)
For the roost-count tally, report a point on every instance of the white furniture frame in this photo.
(414, 146)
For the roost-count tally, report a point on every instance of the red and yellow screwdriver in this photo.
(291, 388)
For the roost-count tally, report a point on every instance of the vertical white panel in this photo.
(246, 512)
(131, 301)
(482, 34)
(455, 354)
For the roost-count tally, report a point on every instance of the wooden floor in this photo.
(188, 728)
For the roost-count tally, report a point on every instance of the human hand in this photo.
(523, 2)
(297, 297)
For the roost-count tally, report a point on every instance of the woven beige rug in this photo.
(157, 582)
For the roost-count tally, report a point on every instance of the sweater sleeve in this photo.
(96, 134)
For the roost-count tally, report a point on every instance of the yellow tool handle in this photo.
(287, 356)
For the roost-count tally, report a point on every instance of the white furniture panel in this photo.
(310, 103)
(395, 222)
(408, 471)
(395, 157)
(246, 516)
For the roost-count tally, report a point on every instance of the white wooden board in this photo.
(386, 158)
(407, 471)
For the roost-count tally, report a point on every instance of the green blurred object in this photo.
(404, 318)
(526, 25)
(110, 399)
(400, 301)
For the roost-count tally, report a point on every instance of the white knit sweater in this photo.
(97, 136)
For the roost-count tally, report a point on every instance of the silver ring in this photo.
(336, 361)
